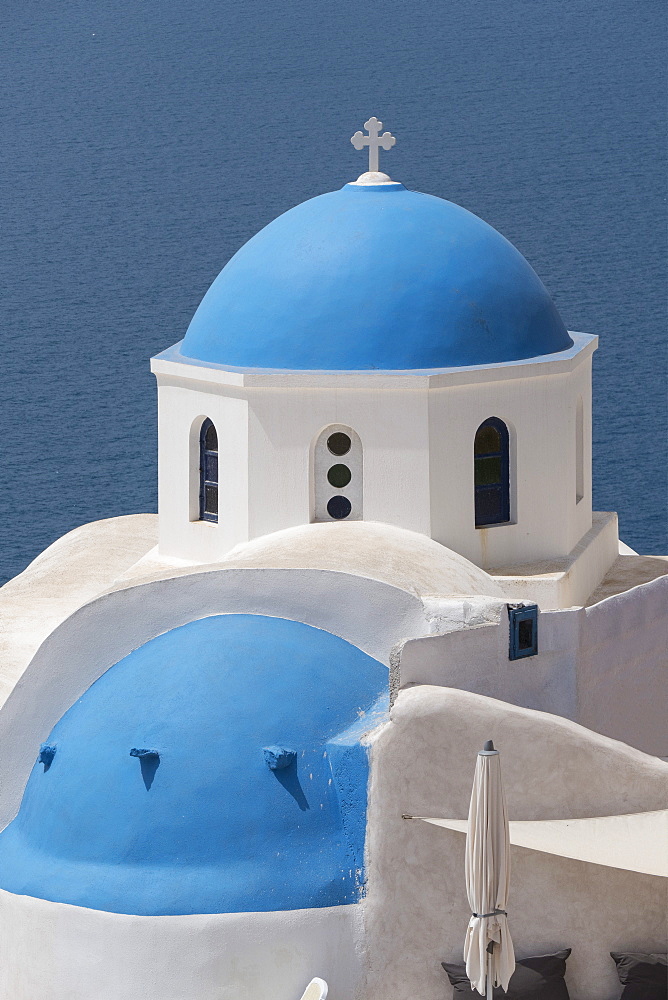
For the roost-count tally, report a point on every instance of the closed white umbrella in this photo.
(488, 878)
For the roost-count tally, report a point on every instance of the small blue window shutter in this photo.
(523, 630)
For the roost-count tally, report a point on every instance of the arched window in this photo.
(208, 472)
(492, 473)
(337, 475)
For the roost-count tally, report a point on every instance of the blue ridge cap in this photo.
(375, 278)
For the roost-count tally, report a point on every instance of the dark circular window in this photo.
(339, 476)
(339, 507)
(339, 443)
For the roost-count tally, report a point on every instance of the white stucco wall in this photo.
(403, 559)
(605, 667)
(393, 430)
(623, 667)
(180, 417)
(416, 908)
(72, 571)
(421, 763)
(416, 433)
(568, 581)
(51, 951)
(477, 661)
(540, 413)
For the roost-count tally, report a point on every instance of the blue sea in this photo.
(143, 143)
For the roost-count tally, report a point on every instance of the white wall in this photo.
(416, 909)
(181, 413)
(477, 660)
(605, 667)
(51, 951)
(540, 413)
(571, 580)
(623, 667)
(393, 430)
(417, 434)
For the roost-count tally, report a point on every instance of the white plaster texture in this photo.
(540, 413)
(385, 589)
(477, 660)
(629, 570)
(605, 667)
(72, 571)
(569, 581)
(416, 908)
(52, 951)
(395, 556)
(623, 667)
(180, 418)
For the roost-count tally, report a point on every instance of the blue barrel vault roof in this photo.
(375, 277)
(216, 769)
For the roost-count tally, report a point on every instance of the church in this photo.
(374, 550)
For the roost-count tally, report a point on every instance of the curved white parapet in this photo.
(60, 952)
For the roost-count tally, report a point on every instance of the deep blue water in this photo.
(142, 143)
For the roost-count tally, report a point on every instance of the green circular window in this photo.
(339, 443)
(339, 476)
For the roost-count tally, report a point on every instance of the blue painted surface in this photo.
(213, 829)
(46, 754)
(375, 278)
(279, 758)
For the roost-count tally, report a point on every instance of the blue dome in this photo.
(375, 277)
(206, 826)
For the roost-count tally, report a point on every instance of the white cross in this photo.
(374, 141)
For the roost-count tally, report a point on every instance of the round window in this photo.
(339, 507)
(339, 476)
(339, 443)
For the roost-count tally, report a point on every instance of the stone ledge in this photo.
(568, 581)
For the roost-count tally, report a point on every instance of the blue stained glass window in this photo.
(208, 472)
(491, 473)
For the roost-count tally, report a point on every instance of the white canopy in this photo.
(636, 842)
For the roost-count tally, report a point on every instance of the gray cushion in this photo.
(538, 978)
(644, 977)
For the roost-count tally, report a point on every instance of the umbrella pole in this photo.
(489, 992)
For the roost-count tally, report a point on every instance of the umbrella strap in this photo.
(492, 914)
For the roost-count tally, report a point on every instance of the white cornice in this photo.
(171, 365)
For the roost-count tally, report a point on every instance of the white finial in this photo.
(374, 141)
